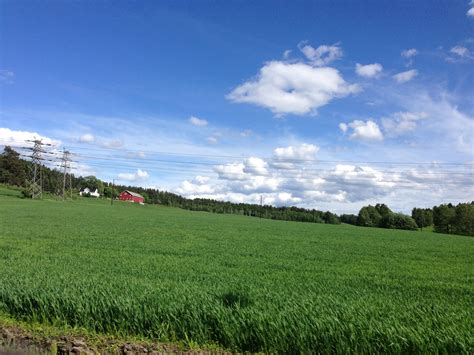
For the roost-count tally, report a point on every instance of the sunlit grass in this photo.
(245, 283)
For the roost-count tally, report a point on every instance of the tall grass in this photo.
(244, 283)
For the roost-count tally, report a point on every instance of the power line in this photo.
(299, 177)
(148, 162)
(275, 159)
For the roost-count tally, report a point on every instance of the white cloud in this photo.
(231, 171)
(286, 158)
(139, 175)
(301, 152)
(286, 54)
(459, 54)
(470, 12)
(402, 122)
(201, 180)
(363, 130)
(198, 121)
(198, 186)
(6, 76)
(82, 169)
(343, 127)
(19, 138)
(405, 76)
(87, 138)
(256, 184)
(321, 56)
(255, 166)
(292, 88)
(409, 53)
(369, 70)
(460, 51)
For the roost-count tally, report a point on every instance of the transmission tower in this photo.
(65, 186)
(34, 183)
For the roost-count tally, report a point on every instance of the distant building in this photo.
(89, 192)
(131, 196)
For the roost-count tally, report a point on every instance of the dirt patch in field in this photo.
(17, 341)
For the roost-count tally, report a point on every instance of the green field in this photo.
(239, 282)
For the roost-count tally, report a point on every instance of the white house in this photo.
(91, 193)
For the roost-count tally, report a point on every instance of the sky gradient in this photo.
(328, 104)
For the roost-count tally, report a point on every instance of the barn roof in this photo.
(133, 193)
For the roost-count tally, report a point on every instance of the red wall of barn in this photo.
(127, 197)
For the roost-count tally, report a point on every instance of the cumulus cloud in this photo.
(6, 76)
(470, 12)
(405, 76)
(308, 184)
(321, 56)
(199, 122)
(362, 130)
(19, 138)
(402, 122)
(342, 183)
(231, 171)
(288, 157)
(87, 138)
(369, 70)
(139, 175)
(300, 152)
(198, 186)
(255, 166)
(292, 88)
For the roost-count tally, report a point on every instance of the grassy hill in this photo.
(243, 283)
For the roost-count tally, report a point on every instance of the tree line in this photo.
(445, 218)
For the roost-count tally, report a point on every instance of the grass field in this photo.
(240, 282)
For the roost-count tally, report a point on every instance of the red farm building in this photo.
(131, 196)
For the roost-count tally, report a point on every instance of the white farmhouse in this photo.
(89, 191)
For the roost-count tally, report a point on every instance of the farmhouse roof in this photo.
(133, 193)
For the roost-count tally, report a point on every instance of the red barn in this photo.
(131, 196)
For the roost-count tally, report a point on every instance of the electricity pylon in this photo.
(34, 182)
(65, 186)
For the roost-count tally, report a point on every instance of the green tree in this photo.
(443, 218)
(422, 216)
(463, 221)
(12, 168)
(369, 216)
(402, 221)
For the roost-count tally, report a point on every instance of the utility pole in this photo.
(65, 165)
(112, 199)
(34, 182)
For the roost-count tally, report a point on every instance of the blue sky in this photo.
(324, 104)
